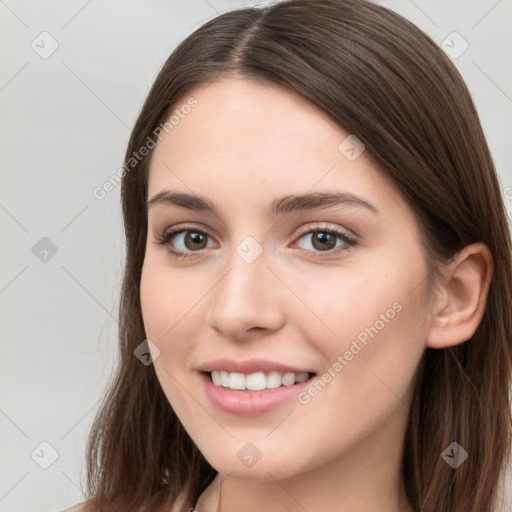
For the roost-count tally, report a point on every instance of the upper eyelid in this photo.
(323, 226)
(303, 230)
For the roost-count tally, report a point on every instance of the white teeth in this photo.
(288, 379)
(255, 381)
(217, 378)
(258, 380)
(273, 380)
(237, 380)
(224, 379)
(301, 377)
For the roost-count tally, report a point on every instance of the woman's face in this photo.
(272, 280)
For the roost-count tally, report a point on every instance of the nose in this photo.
(248, 300)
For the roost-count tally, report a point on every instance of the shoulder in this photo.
(77, 508)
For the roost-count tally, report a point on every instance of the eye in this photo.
(183, 241)
(323, 240)
(186, 238)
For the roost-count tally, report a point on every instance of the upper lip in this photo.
(249, 366)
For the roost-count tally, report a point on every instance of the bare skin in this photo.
(297, 303)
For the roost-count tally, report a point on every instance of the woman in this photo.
(316, 304)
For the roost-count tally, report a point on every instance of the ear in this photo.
(461, 298)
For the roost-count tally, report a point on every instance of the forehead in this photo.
(259, 140)
(251, 113)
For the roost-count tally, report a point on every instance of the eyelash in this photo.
(349, 242)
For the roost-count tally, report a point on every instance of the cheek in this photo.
(168, 321)
(369, 328)
(155, 299)
(171, 309)
(163, 296)
(341, 308)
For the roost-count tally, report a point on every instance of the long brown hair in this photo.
(381, 78)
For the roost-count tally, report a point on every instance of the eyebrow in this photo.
(280, 205)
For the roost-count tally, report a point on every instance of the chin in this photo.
(265, 469)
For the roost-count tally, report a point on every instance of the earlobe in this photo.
(462, 298)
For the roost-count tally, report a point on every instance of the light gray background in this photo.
(66, 120)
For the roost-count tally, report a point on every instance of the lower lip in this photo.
(249, 403)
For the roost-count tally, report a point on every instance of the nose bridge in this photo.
(246, 296)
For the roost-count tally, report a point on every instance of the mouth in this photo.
(257, 381)
(240, 401)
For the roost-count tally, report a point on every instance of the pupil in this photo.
(323, 238)
(195, 237)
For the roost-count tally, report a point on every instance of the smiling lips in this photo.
(250, 366)
(250, 402)
(257, 380)
(253, 386)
